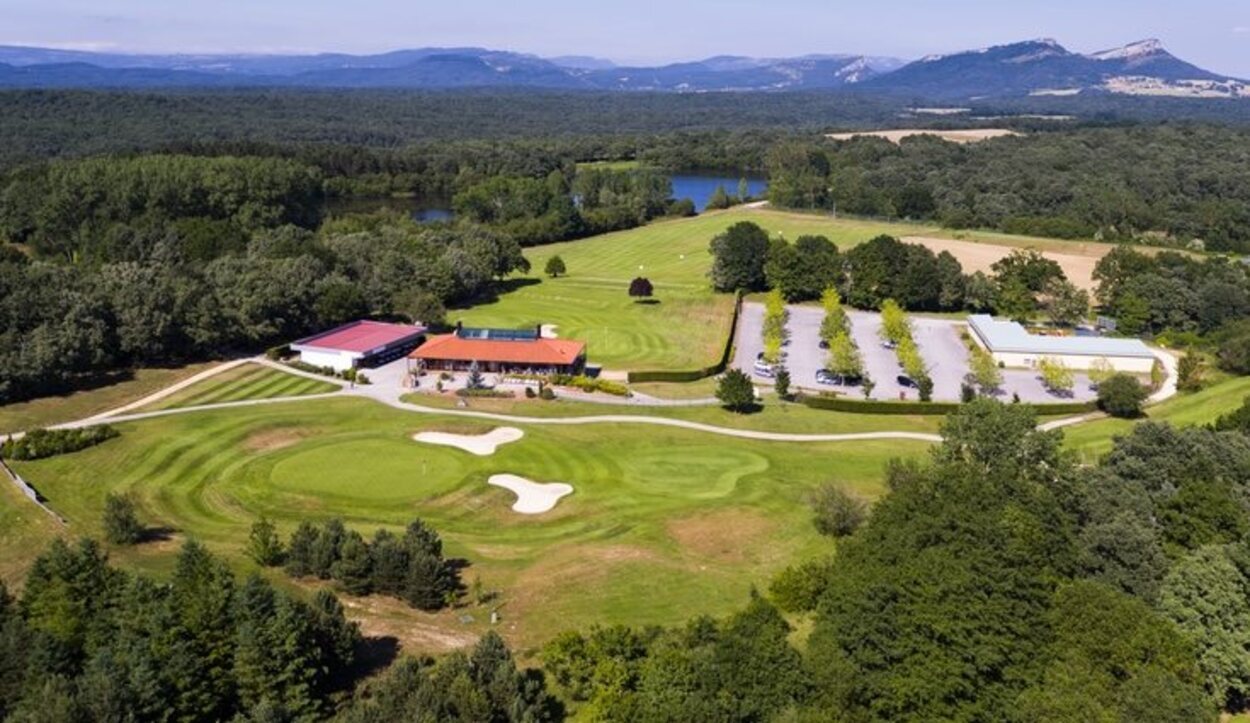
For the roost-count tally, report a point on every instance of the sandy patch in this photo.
(726, 536)
(532, 498)
(483, 445)
(974, 257)
(548, 331)
(273, 439)
(970, 135)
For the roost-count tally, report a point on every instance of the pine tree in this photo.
(299, 557)
(325, 551)
(353, 569)
(121, 524)
(263, 544)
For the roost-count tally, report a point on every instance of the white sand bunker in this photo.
(532, 498)
(483, 445)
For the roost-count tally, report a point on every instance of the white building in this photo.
(360, 343)
(1013, 346)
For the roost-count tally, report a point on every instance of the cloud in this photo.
(1242, 30)
(83, 45)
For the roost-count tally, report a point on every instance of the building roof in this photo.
(1008, 336)
(548, 352)
(361, 337)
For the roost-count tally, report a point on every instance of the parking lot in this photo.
(937, 339)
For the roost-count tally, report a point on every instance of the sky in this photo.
(1214, 34)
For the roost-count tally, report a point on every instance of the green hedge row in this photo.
(694, 375)
(859, 406)
(41, 443)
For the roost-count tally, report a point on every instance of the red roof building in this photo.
(501, 351)
(359, 343)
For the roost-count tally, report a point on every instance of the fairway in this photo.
(685, 520)
(244, 382)
(687, 328)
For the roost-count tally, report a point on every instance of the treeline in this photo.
(60, 323)
(1022, 285)
(1168, 184)
(1000, 580)
(43, 443)
(86, 642)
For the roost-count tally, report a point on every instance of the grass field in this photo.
(248, 381)
(89, 402)
(687, 328)
(684, 520)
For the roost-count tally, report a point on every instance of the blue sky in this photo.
(1211, 33)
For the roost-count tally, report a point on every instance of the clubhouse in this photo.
(508, 351)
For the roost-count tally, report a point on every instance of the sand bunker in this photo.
(532, 498)
(483, 445)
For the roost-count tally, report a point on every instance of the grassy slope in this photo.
(78, 405)
(249, 381)
(681, 519)
(687, 328)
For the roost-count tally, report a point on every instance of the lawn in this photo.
(1093, 439)
(687, 328)
(244, 382)
(125, 388)
(684, 521)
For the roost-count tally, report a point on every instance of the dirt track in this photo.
(980, 256)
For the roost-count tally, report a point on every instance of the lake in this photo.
(697, 187)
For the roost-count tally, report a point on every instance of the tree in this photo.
(353, 568)
(1204, 594)
(1056, 375)
(735, 391)
(121, 524)
(835, 320)
(1121, 395)
(984, 371)
(719, 199)
(475, 380)
(421, 306)
(263, 545)
(299, 557)
(1066, 304)
(640, 288)
(781, 383)
(1189, 372)
(1028, 267)
(894, 324)
(835, 511)
(744, 190)
(1100, 370)
(844, 358)
(555, 267)
(803, 270)
(738, 257)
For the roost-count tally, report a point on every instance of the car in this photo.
(763, 369)
(906, 381)
(824, 344)
(824, 376)
(887, 344)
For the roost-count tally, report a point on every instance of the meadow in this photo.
(244, 382)
(688, 325)
(684, 520)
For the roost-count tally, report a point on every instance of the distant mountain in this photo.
(1044, 67)
(1035, 67)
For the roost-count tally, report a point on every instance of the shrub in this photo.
(798, 588)
(641, 288)
(555, 266)
(277, 353)
(1189, 373)
(836, 512)
(42, 443)
(735, 391)
(263, 545)
(486, 393)
(546, 394)
(530, 393)
(121, 524)
(1122, 396)
(781, 384)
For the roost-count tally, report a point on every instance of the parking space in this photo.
(938, 340)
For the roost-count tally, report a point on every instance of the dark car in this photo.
(906, 381)
(824, 344)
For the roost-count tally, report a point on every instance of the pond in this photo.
(698, 187)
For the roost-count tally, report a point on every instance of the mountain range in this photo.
(1035, 67)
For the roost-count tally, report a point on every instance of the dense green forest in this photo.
(1187, 186)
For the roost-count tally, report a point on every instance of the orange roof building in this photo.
(501, 350)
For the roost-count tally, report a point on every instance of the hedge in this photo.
(857, 406)
(42, 443)
(694, 375)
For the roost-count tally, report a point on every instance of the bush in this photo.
(798, 588)
(590, 384)
(546, 394)
(735, 391)
(1122, 396)
(836, 512)
(530, 393)
(263, 545)
(121, 524)
(277, 353)
(486, 393)
(42, 443)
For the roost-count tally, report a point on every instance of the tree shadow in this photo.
(647, 302)
(492, 293)
(373, 655)
(156, 534)
(745, 410)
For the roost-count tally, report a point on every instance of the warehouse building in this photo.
(359, 344)
(508, 351)
(1013, 346)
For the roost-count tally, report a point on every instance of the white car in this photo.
(763, 368)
